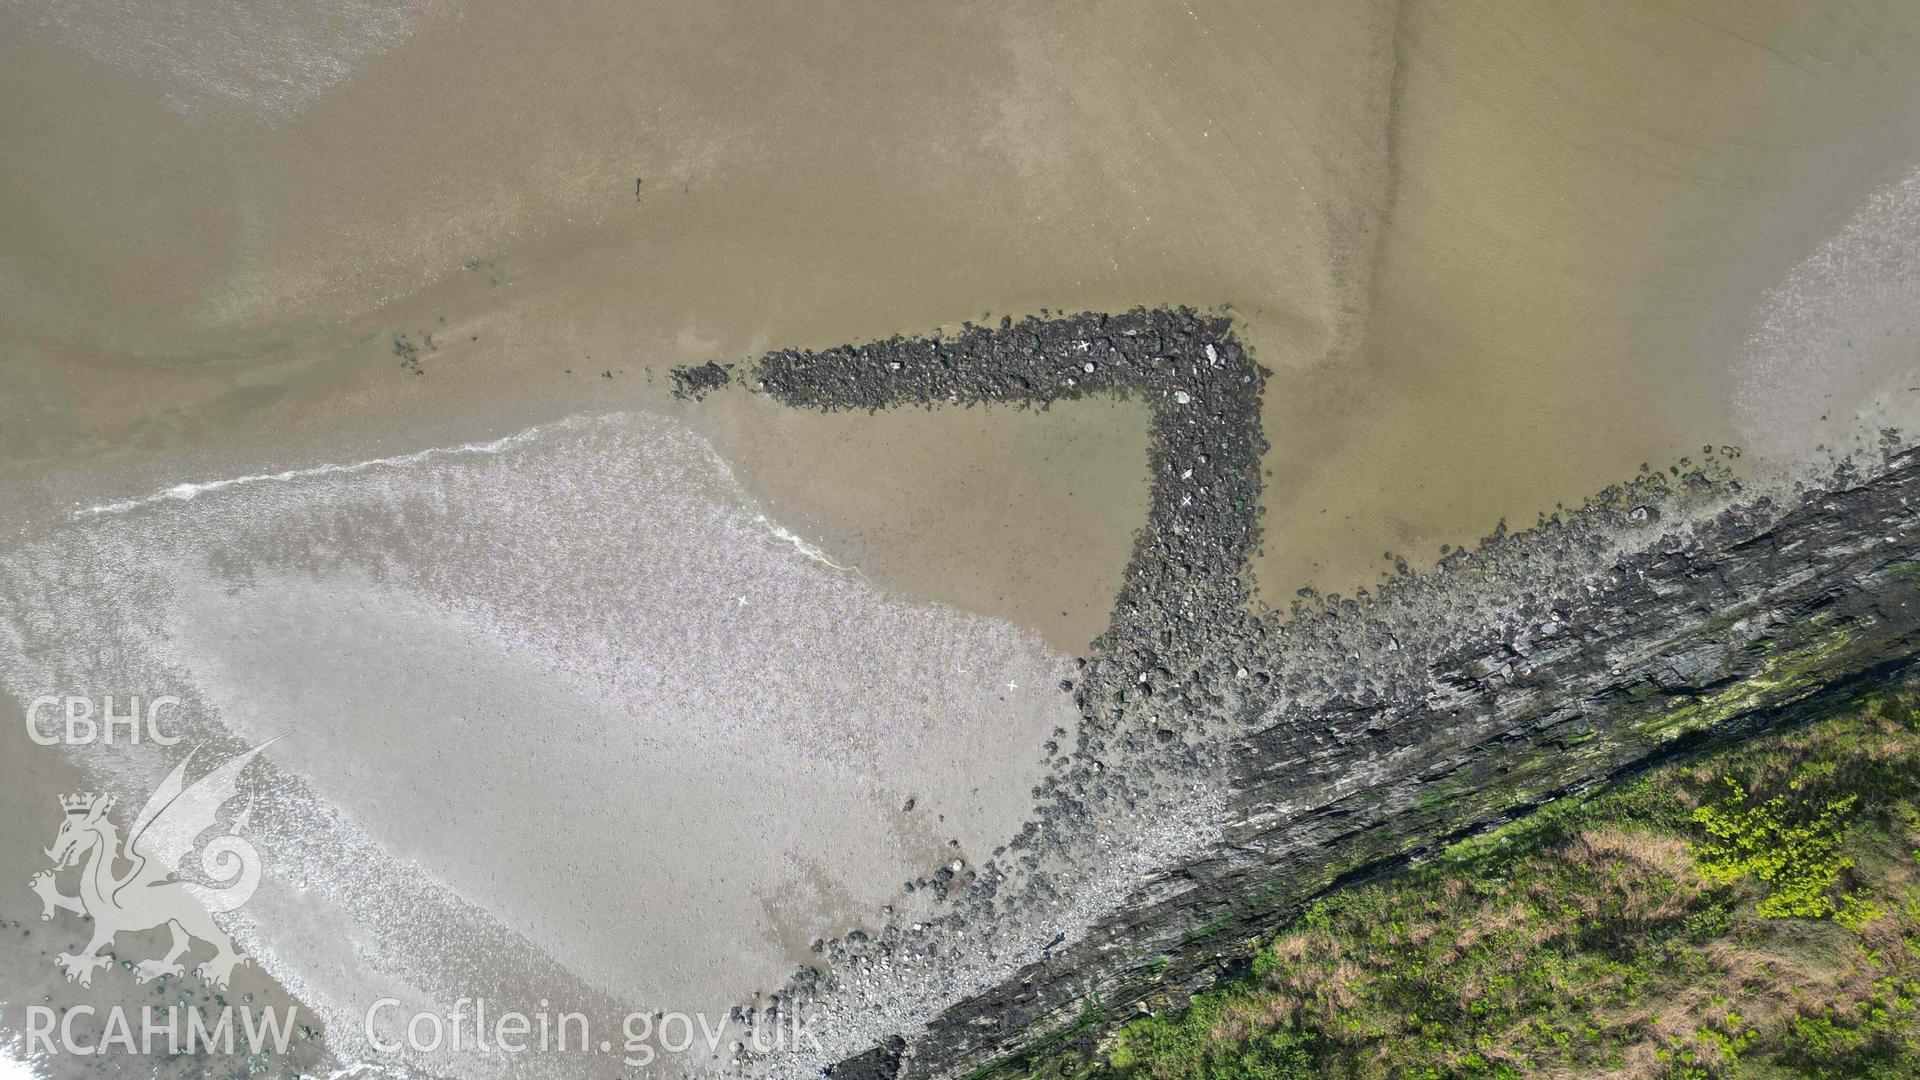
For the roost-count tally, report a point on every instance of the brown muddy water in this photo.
(1496, 254)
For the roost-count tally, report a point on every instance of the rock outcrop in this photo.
(1358, 732)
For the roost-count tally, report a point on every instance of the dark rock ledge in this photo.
(1666, 614)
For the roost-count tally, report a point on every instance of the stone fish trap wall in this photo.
(1359, 732)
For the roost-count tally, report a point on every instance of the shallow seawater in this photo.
(1498, 255)
(566, 716)
(626, 711)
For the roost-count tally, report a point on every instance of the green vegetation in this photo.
(1753, 913)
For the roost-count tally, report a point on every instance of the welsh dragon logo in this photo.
(150, 894)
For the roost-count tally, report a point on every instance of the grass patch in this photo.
(1753, 913)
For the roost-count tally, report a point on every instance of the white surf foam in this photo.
(572, 717)
(800, 543)
(1836, 345)
(188, 491)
